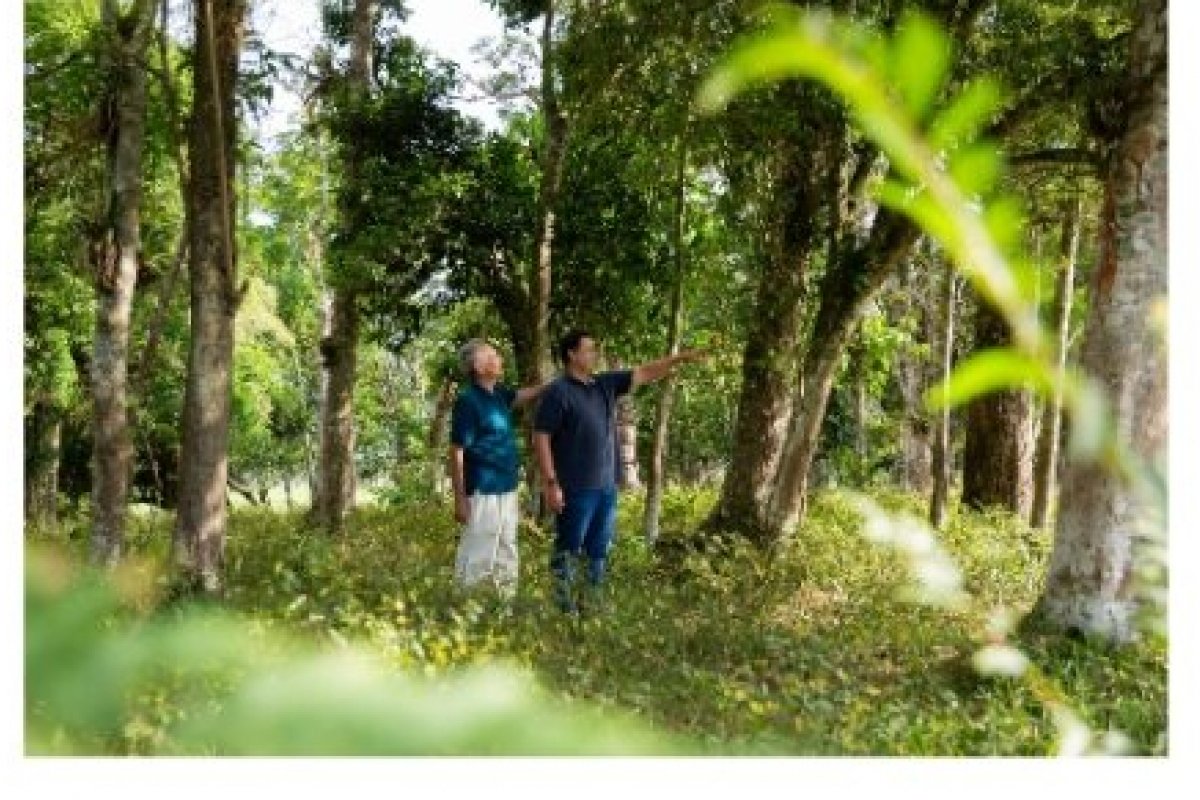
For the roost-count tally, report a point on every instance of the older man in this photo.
(483, 470)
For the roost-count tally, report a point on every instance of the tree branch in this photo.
(241, 488)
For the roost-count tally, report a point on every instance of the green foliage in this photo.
(494, 219)
(405, 154)
(944, 179)
(198, 681)
(937, 581)
(929, 163)
(52, 371)
(65, 130)
(519, 12)
(709, 641)
(987, 371)
(722, 651)
(62, 171)
(337, 17)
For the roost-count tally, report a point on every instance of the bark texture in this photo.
(200, 524)
(115, 255)
(1089, 586)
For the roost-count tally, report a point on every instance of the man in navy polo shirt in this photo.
(575, 443)
(483, 470)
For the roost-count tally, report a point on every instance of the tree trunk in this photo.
(858, 369)
(337, 480)
(165, 299)
(765, 399)
(658, 455)
(662, 419)
(167, 287)
(529, 365)
(314, 454)
(199, 537)
(115, 260)
(847, 287)
(531, 370)
(437, 437)
(1089, 586)
(531, 333)
(626, 443)
(913, 376)
(391, 391)
(1046, 462)
(917, 456)
(943, 454)
(553, 159)
(43, 452)
(998, 453)
(829, 342)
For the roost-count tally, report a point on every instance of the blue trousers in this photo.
(584, 527)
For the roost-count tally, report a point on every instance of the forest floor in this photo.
(810, 652)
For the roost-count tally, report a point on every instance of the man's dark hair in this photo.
(571, 342)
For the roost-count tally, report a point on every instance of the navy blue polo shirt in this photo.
(482, 426)
(580, 417)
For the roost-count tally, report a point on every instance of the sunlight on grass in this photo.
(810, 653)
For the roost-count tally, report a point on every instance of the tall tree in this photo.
(662, 419)
(495, 222)
(553, 157)
(782, 406)
(336, 481)
(285, 256)
(68, 193)
(943, 450)
(1089, 586)
(629, 76)
(799, 184)
(532, 342)
(199, 537)
(115, 252)
(404, 153)
(1050, 430)
(845, 290)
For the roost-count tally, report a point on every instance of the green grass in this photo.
(807, 653)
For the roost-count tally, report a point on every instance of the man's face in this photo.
(487, 363)
(585, 355)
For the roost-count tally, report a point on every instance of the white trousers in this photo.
(487, 550)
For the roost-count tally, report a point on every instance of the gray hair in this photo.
(466, 356)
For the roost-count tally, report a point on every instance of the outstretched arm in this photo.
(653, 370)
(527, 394)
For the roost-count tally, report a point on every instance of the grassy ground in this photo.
(809, 652)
